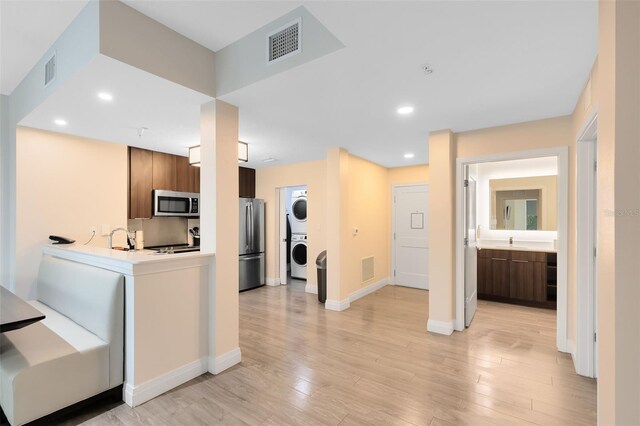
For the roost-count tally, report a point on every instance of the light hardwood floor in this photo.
(376, 364)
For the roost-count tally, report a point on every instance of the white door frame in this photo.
(562, 153)
(281, 219)
(585, 349)
(392, 267)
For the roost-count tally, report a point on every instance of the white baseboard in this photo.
(273, 282)
(359, 294)
(310, 288)
(440, 327)
(219, 364)
(337, 305)
(136, 395)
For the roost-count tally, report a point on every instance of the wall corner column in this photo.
(441, 232)
(337, 227)
(219, 225)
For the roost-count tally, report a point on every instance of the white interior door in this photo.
(282, 234)
(470, 249)
(411, 238)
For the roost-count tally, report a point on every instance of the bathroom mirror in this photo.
(524, 204)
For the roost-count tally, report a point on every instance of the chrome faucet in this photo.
(129, 236)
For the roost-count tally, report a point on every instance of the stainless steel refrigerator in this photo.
(252, 261)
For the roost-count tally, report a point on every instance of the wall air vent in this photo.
(284, 42)
(367, 269)
(50, 70)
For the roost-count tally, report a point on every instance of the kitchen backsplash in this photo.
(161, 231)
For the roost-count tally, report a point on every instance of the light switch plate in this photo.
(105, 229)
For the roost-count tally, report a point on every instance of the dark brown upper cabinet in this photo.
(247, 182)
(187, 176)
(140, 183)
(164, 171)
(149, 170)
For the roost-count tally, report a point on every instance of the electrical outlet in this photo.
(105, 229)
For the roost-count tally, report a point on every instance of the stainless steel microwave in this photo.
(172, 203)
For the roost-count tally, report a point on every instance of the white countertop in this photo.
(132, 257)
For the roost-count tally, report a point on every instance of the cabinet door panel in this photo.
(521, 279)
(539, 281)
(500, 276)
(247, 182)
(164, 171)
(484, 276)
(187, 176)
(140, 183)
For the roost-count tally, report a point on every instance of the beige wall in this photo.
(369, 210)
(65, 186)
(441, 229)
(549, 133)
(409, 174)
(135, 39)
(618, 79)
(344, 192)
(312, 174)
(226, 308)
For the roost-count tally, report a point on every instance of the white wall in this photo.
(504, 170)
(65, 186)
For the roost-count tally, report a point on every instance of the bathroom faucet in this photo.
(116, 230)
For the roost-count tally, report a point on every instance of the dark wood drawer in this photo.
(529, 256)
(497, 254)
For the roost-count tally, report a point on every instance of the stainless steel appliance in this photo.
(173, 203)
(252, 262)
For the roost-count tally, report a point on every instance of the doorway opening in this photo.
(586, 350)
(292, 241)
(511, 223)
(410, 239)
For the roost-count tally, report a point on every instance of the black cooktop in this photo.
(175, 248)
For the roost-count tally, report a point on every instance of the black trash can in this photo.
(321, 266)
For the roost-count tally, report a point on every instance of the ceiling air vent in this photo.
(284, 42)
(50, 70)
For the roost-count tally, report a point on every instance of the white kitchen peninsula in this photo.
(166, 302)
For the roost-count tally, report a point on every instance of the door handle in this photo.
(498, 258)
(520, 261)
(244, 259)
(246, 225)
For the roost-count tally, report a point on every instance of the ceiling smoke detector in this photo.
(427, 70)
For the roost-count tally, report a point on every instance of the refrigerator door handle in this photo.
(252, 241)
(246, 225)
(243, 259)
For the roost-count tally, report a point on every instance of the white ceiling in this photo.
(170, 112)
(27, 30)
(495, 63)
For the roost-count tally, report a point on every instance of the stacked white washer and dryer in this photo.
(298, 219)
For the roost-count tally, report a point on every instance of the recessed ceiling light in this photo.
(105, 96)
(405, 110)
(409, 155)
(60, 122)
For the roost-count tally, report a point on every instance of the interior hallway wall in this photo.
(369, 211)
(618, 213)
(313, 175)
(65, 186)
